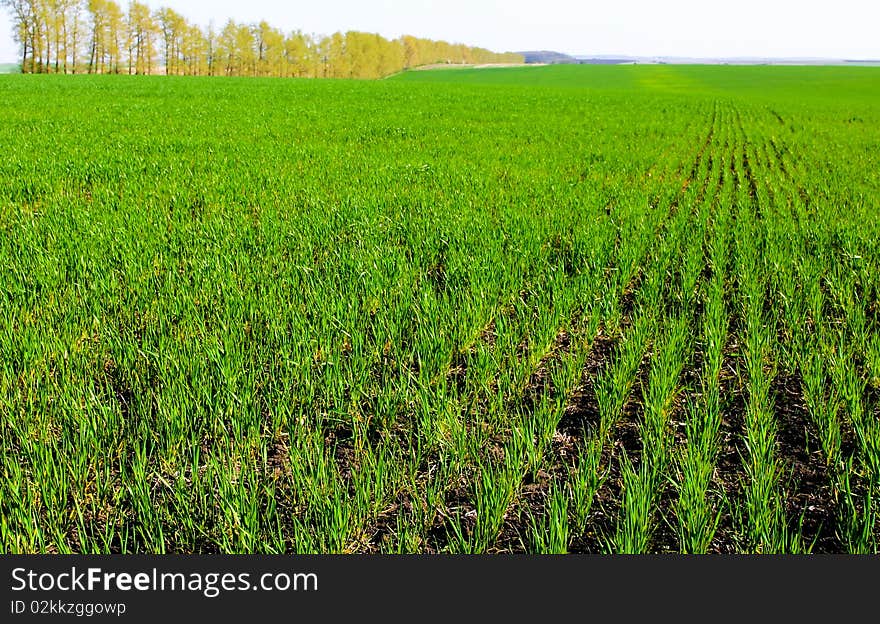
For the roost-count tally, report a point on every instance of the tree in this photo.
(270, 50)
(67, 13)
(113, 37)
(56, 15)
(337, 60)
(194, 51)
(54, 19)
(22, 17)
(98, 13)
(297, 55)
(246, 58)
(72, 29)
(390, 57)
(226, 47)
(50, 33)
(142, 32)
(210, 49)
(411, 53)
(172, 26)
(41, 35)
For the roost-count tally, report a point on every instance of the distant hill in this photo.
(9, 68)
(605, 60)
(547, 57)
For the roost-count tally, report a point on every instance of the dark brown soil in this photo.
(625, 441)
(806, 478)
(730, 470)
(582, 411)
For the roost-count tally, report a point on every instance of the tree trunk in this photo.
(73, 54)
(38, 49)
(66, 51)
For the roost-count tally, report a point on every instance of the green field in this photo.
(564, 309)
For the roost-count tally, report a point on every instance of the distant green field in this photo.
(563, 309)
(9, 68)
(850, 84)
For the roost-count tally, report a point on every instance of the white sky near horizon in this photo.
(690, 28)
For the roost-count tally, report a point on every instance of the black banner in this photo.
(413, 588)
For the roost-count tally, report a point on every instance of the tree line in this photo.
(100, 37)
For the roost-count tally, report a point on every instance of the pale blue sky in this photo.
(702, 28)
